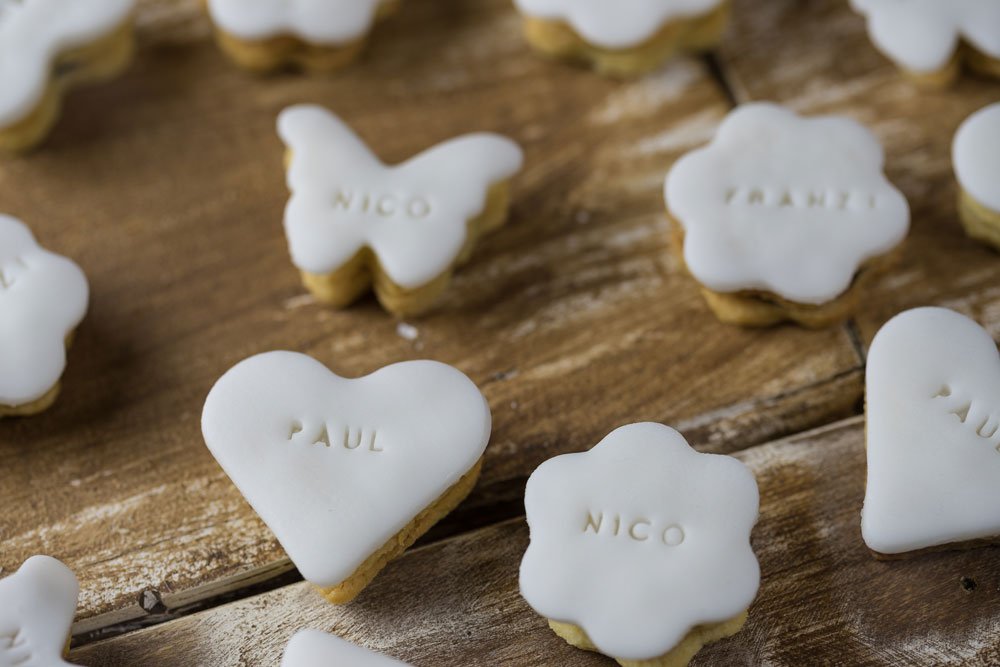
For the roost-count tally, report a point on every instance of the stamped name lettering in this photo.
(332, 435)
(637, 529)
(381, 205)
(987, 427)
(814, 199)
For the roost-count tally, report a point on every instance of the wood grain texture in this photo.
(823, 601)
(167, 187)
(816, 57)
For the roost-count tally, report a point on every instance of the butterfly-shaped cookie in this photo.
(353, 222)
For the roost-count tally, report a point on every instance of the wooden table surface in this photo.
(167, 186)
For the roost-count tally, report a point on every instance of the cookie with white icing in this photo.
(49, 46)
(623, 37)
(354, 223)
(318, 35)
(314, 648)
(783, 218)
(931, 39)
(976, 155)
(347, 473)
(37, 605)
(43, 298)
(933, 424)
(640, 547)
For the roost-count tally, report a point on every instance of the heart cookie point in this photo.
(933, 424)
(337, 467)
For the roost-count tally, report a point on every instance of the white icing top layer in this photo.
(621, 24)
(43, 297)
(640, 540)
(933, 392)
(336, 467)
(976, 154)
(317, 21)
(313, 648)
(922, 35)
(34, 32)
(37, 605)
(784, 204)
(414, 216)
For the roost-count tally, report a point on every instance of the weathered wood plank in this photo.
(823, 600)
(167, 187)
(816, 57)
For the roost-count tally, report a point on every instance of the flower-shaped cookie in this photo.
(640, 544)
(37, 605)
(48, 44)
(43, 297)
(933, 425)
(924, 37)
(353, 222)
(313, 648)
(785, 205)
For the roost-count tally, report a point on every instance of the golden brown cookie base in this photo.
(348, 589)
(33, 408)
(268, 55)
(93, 63)
(559, 40)
(764, 309)
(679, 656)
(363, 271)
(966, 54)
(980, 222)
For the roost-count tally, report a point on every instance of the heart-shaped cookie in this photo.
(933, 433)
(346, 472)
(315, 648)
(37, 605)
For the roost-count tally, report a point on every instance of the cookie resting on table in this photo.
(43, 298)
(930, 40)
(785, 218)
(48, 47)
(640, 547)
(315, 35)
(354, 224)
(625, 37)
(976, 155)
(933, 424)
(347, 473)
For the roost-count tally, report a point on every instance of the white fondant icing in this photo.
(413, 216)
(43, 297)
(316, 21)
(922, 35)
(933, 422)
(785, 204)
(314, 648)
(37, 605)
(336, 466)
(639, 540)
(34, 32)
(976, 154)
(616, 25)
